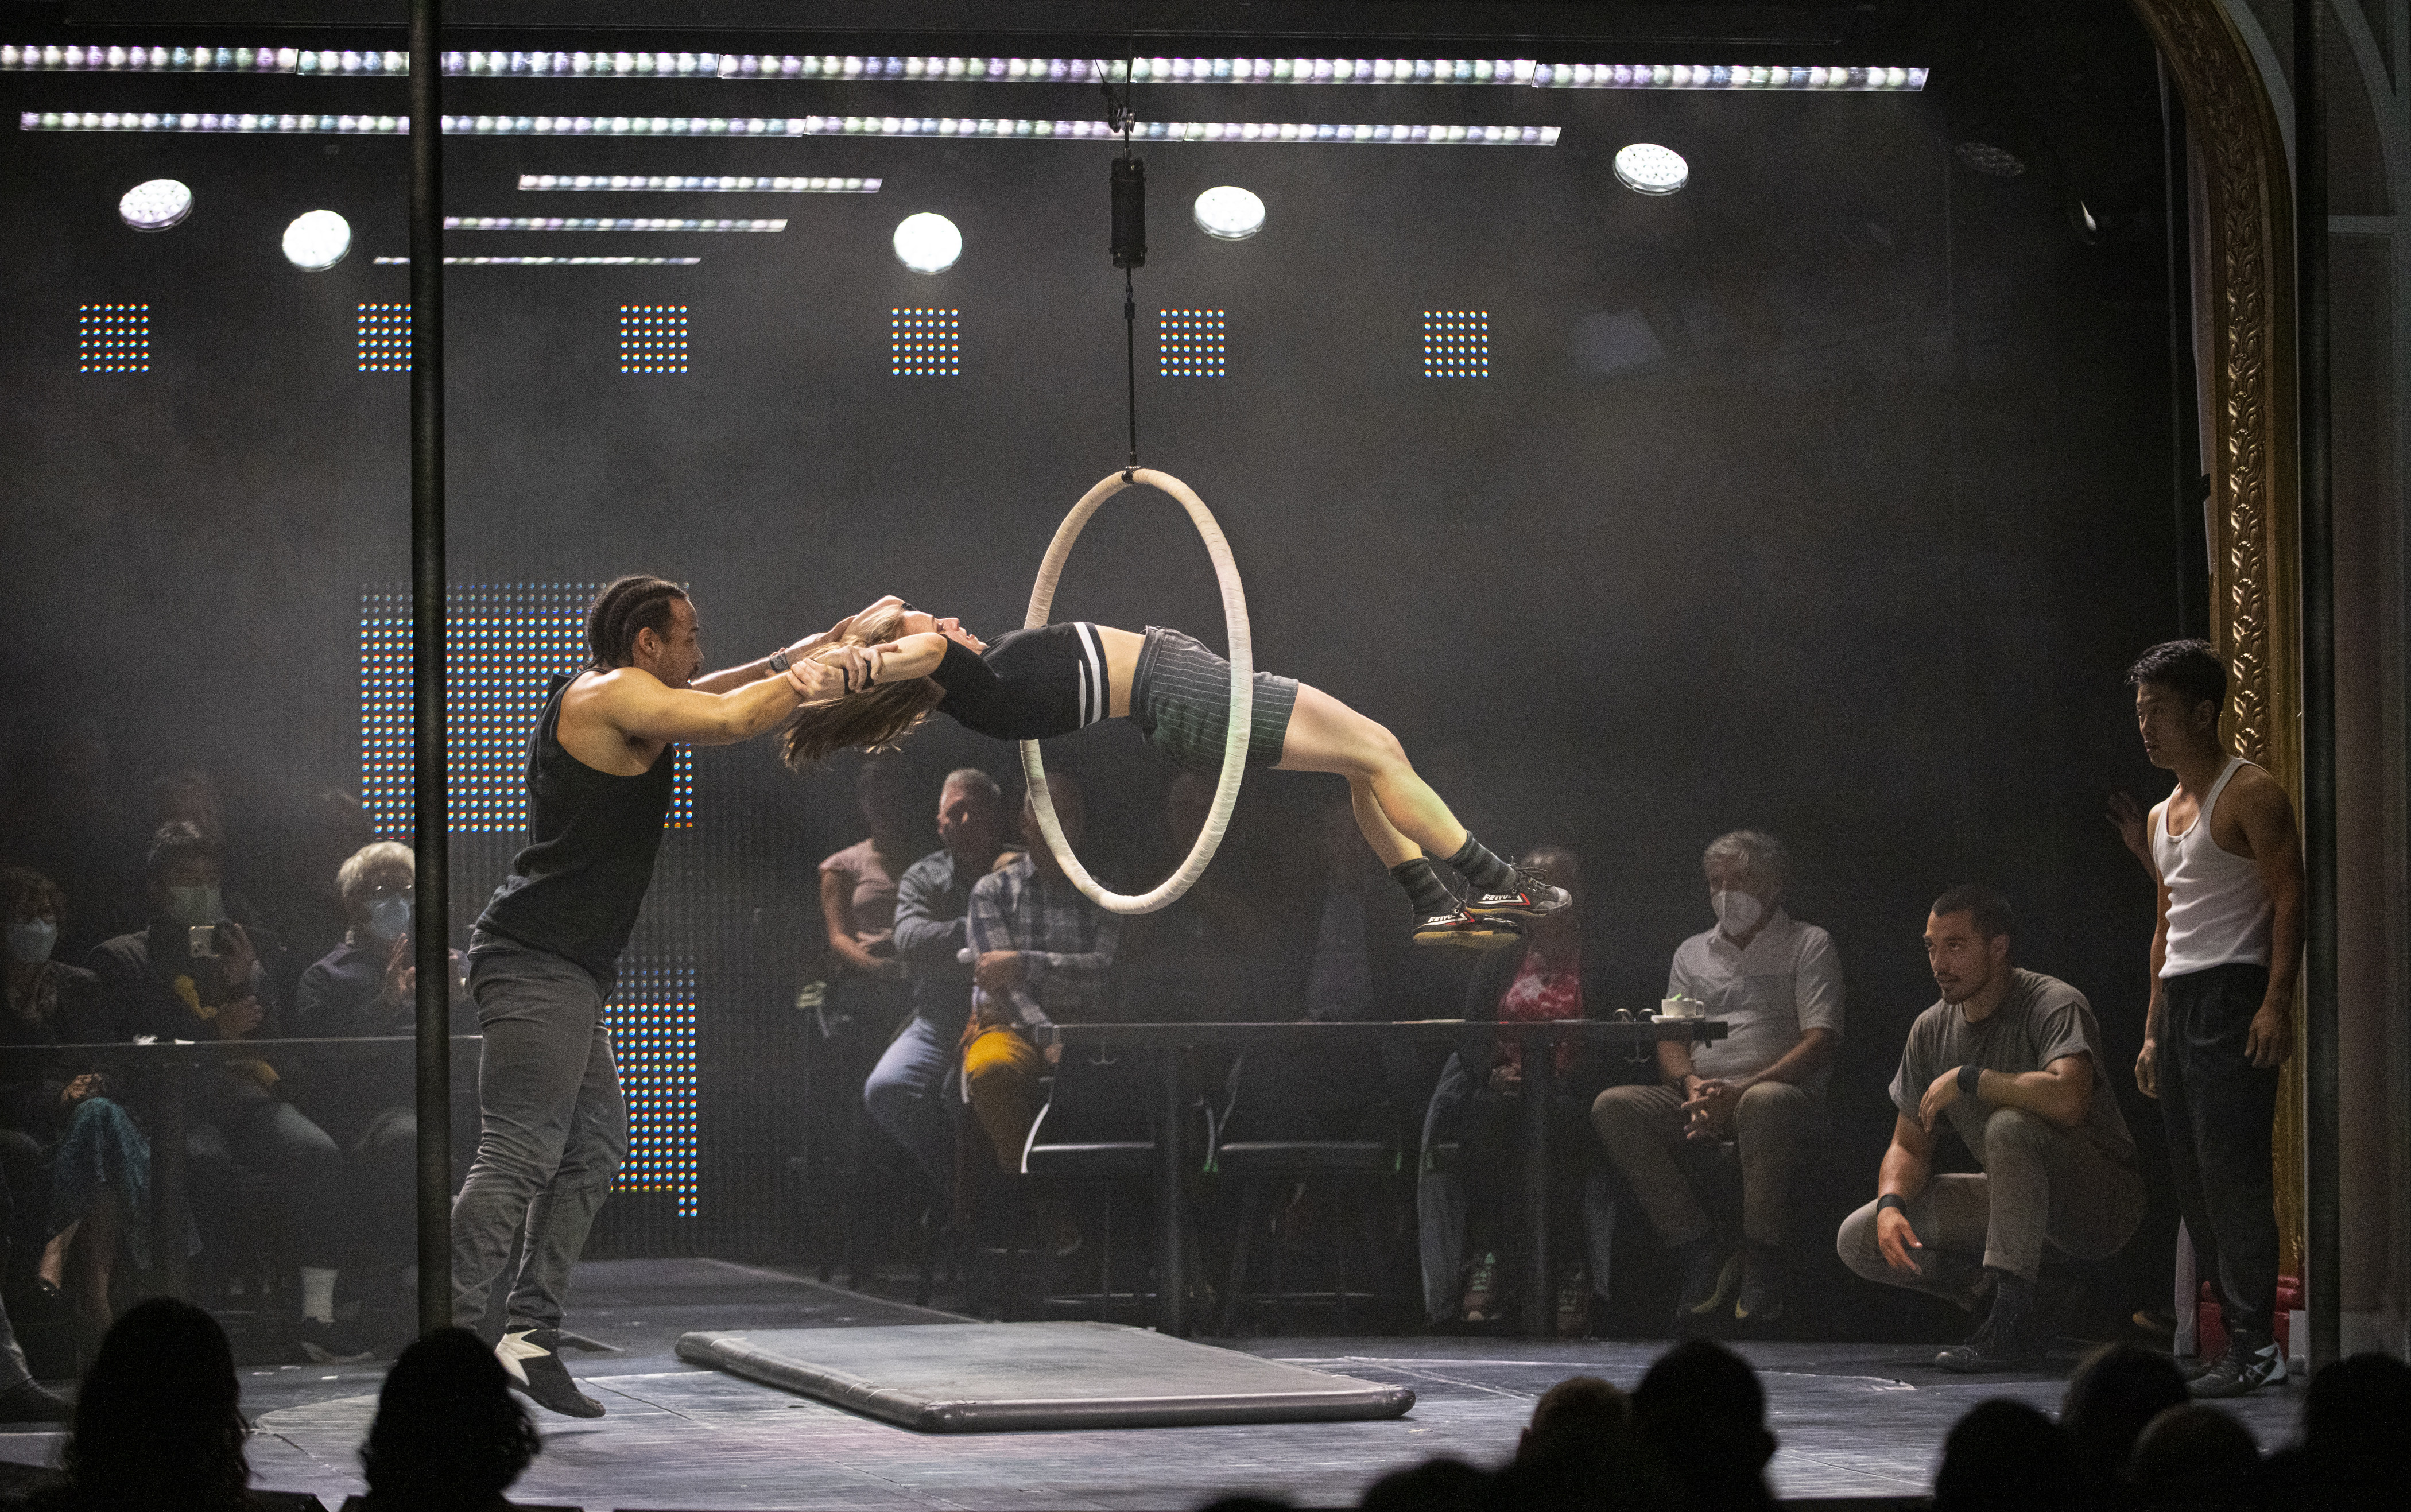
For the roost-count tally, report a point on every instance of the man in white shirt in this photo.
(1779, 984)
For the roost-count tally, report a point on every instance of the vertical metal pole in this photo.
(171, 1203)
(1540, 1098)
(1172, 1261)
(2184, 420)
(432, 831)
(2319, 1051)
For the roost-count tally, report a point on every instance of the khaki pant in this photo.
(1000, 1072)
(2041, 1185)
(1643, 1130)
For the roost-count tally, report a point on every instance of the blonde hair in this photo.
(878, 719)
(353, 873)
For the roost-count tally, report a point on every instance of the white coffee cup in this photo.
(1681, 1007)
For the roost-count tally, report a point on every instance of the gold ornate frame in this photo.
(2245, 220)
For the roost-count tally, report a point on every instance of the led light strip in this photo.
(557, 223)
(550, 262)
(717, 184)
(759, 66)
(810, 125)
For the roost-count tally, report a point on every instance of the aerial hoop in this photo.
(1243, 691)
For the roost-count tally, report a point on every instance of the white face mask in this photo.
(388, 917)
(1737, 912)
(194, 907)
(30, 941)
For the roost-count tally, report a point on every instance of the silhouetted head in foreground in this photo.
(157, 1420)
(449, 1433)
(2117, 1389)
(1434, 1486)
(2004, 1457)
(1701, 1410)
(2191, 1455)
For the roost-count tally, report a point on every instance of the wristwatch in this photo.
(778, 660)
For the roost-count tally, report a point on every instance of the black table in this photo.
(1170, 1041)
(160, 1069)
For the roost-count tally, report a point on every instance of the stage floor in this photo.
(1854, 1420)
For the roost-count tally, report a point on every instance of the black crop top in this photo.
(1031, 685)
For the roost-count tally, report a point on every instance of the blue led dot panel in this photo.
(652, 338)
(924, 344)
(652, 1020)
(1190, 343)
(113, 338)
(384, 337)
(504, 642)
(1457, 344)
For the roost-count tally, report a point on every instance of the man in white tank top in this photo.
(2224, 954)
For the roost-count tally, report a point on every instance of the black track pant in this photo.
(2219, 1111)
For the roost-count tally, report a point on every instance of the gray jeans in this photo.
(553, 1131)
(1644, 1129)
(2041, 1185)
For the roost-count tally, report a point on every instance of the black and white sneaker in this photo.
(1530, 898)
(532, 1359)
(2252, 1361)
(1464, 930)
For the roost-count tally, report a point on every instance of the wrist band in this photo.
(1893, 1200)
(1967, 1077)
(778, 660)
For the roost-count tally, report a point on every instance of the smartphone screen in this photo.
(202, 940)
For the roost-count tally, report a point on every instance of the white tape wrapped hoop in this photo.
(1243, 692)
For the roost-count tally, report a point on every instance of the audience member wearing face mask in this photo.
(367, 987)
(195, 974)
(1777, 983)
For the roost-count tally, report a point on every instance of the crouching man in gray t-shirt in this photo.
(2014, 1059)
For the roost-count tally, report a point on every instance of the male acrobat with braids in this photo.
(544, 955)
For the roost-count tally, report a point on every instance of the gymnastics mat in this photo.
(998, 1377)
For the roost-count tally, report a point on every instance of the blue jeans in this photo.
(552, 1129)
(906, 1095)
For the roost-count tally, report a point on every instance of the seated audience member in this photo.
(1582, 1452)
(159, 1420)
(1701, 1409)
(367, 987)
(1041, 949)
(194, 975)
(2352, 1456)
(77, 1168)
(22, 1399)
(2003, 1455)
(858, 896)
(1779, 984)
(2115, 1392)
(448, 1434)
(1539, 977)
(906, 1092)
(2014, 1058)
(1580, 1407)
(2192, 1456)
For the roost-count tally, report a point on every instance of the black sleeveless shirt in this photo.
(1031, 685)
(575, 889)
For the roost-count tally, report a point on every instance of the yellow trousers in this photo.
(1001, 1070)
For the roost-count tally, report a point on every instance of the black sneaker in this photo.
(1483, 1301)
(1463, 929)
(2252, 1361)
(1709, 1285)
(2007, 1340)
(532, 1358)
(330, 1343)
(1530, 898)
(28, 1401)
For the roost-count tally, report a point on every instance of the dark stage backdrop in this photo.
(1828, 495)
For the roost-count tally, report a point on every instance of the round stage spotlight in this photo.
(1229, 213)
(154, 205)
(316, 241)
(928, 242)
(1647, 168)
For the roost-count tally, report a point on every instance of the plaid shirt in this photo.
(1065, 941)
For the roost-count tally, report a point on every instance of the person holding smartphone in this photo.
(192, 973)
